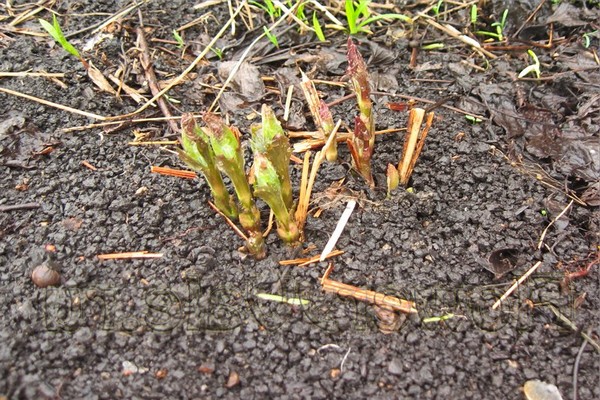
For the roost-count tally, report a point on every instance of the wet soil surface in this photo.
(189, 324)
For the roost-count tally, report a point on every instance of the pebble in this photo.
(43, 276)
(233, 380)
(412, 338)
(538, 390)
(395, 367)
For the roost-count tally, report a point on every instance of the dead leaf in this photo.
(246, 82)
(99, 79)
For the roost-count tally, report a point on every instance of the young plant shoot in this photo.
(321, 115)
(271, 173)
(55, 31)
(229, 158)
(363, 139)
(199, 155)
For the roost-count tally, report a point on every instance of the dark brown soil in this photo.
(183, 325)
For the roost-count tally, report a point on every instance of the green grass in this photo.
(359, 16)
(499, 25)
(56, 32)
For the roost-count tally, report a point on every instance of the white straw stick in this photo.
(516, 284)
(338, 229)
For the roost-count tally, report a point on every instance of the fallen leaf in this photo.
(99, 79)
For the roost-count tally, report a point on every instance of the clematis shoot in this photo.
(267, 186)
(229, 158)
(321, 115)
(270, 140)
(393, 179)
(363, 139)
(198, 155)
(271, 173)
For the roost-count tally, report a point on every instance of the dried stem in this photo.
(321, 115)
(367, 296)
(414, 142)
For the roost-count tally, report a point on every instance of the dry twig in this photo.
(516, 285)
(367, 296)
(129, 255)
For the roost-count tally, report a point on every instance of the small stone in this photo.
(206, 368)
(538, 390)
(412, 338)
(233, 380)
(44, 276)
(395, 367)
(83, 335)
(161, 373)
(129, 368)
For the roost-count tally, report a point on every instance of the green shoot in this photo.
(438, 319)
(533, 68)
(271, 37)
(300, 11)
(499, 25)
(268, 7)
(436, 8)
(473, 120)
(218, 52)
(362, 143)
(293, 301)
(178, 39)
(433, 46)
(198, 155)
(587, 38)
(56, 32)
(272, 183)
(474, 14)
(317, 27)
(267, 186)
(225, 142)
(359, 17)
(270, 139)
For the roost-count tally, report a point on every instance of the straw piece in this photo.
(173, 172)
(128, 255)
(516, 284)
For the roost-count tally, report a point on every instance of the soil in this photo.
(189, 324)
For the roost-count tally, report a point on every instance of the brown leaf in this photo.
(99, 79)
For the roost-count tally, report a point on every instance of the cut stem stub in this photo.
(414, 142)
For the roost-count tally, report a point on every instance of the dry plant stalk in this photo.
(178, 173)
(303, 262)
(128, 255)
(414, 142)
(321, 115)
(308, 181)
(367, 296)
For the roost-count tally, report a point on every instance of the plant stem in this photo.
(198, 154)
(267, 186)
(363, 140)
(230, 160)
